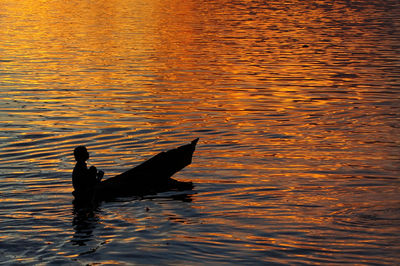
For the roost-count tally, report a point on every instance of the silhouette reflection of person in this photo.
(84, 222)
(84, 180)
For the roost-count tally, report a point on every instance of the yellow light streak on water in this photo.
(296, 105)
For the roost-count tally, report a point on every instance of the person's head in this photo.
(81, 154)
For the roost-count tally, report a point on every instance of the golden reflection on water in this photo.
(260, 73)
(294, 105)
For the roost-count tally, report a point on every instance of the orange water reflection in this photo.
(294, 104)
(260, 74)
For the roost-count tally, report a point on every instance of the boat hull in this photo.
(152, 176)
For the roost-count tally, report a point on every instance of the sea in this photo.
(296, 104)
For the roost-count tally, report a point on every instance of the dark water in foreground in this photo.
(296, 105)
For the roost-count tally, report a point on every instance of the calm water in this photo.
(296, 104)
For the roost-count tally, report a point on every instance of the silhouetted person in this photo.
(152, 176)
(84, 180)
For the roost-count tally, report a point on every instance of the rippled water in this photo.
(296, 104)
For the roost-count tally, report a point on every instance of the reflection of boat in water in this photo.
(152, 176)
(87, 218)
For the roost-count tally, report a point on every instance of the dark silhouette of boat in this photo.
(152, 176)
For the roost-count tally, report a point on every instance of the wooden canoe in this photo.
(152, 176)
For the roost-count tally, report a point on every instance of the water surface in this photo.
(296, 105)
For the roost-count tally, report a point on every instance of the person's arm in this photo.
(100, 175)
